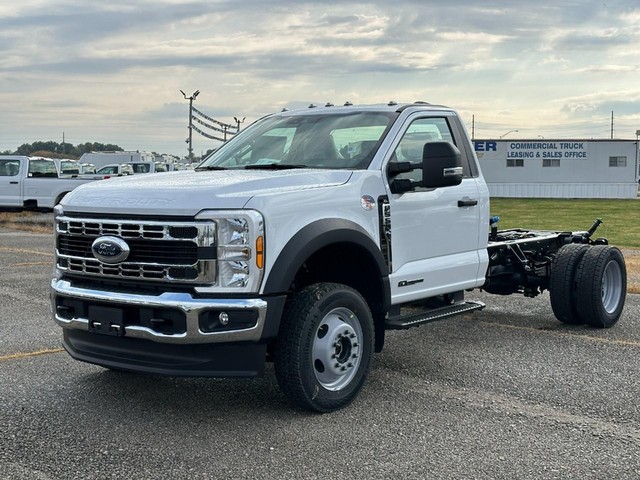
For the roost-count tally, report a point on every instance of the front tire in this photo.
(324, 347)
(601, 286)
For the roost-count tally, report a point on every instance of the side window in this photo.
(42, 168)
(420, 132)
(9, 168)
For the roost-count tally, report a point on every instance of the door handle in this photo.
(13, 183)
(467, 202)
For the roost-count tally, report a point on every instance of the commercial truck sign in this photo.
(547, 150)
(529, 149)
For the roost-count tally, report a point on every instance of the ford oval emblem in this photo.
(110, 249)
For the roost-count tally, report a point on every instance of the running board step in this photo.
(416, 319)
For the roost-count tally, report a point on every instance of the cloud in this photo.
(116, 68)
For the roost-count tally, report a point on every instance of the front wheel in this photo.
(324, 347)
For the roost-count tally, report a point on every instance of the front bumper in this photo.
(192, 309)
(164, 333)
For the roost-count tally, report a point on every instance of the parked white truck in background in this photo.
(100, 159)
(301, 241)
(33, 183)
(115, 170)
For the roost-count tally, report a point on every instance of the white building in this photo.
(560, 168)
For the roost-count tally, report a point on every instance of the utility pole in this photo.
(190, 139)
(611, 124)
(473, 127)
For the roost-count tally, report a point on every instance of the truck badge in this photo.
(110, 249)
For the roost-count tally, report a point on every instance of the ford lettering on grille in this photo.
(110, 249)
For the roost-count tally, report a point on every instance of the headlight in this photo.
(240, 249)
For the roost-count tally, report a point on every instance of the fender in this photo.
(312, 238)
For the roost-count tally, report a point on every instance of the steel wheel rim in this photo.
(336, 349)
(611, 286)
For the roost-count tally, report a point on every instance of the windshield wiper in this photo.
(210, 167)
(274, 166)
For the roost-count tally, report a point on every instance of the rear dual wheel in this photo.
(562, 284)
(588, 284)
(602, 286)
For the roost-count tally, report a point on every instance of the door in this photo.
(434, 233)
(10, 182)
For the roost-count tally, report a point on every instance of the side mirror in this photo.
(402, 185)
(441, 165)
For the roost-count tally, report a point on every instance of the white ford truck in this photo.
(33, 183)
(301, 241)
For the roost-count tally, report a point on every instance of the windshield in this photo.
(335, 141)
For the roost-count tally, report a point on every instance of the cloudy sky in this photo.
(112, 71)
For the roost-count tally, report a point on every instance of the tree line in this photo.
(61, 150)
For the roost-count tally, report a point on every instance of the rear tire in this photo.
(324, 348)
(562, 283)
(601, 286)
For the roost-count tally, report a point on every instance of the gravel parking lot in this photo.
(504, 393)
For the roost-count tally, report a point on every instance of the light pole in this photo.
(190, 139)
(510, 131)
(238, 122)
(637, 156)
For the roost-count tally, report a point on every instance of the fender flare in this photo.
(312, 238)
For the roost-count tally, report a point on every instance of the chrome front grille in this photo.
(176, 252)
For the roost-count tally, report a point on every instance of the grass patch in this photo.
(27, 221)
(621, 217)
(621, 222)
(633, 273)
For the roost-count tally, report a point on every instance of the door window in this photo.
(9, 168)
(419, 133)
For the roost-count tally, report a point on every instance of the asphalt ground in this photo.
(504, 393)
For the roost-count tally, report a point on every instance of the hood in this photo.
(189, 192)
